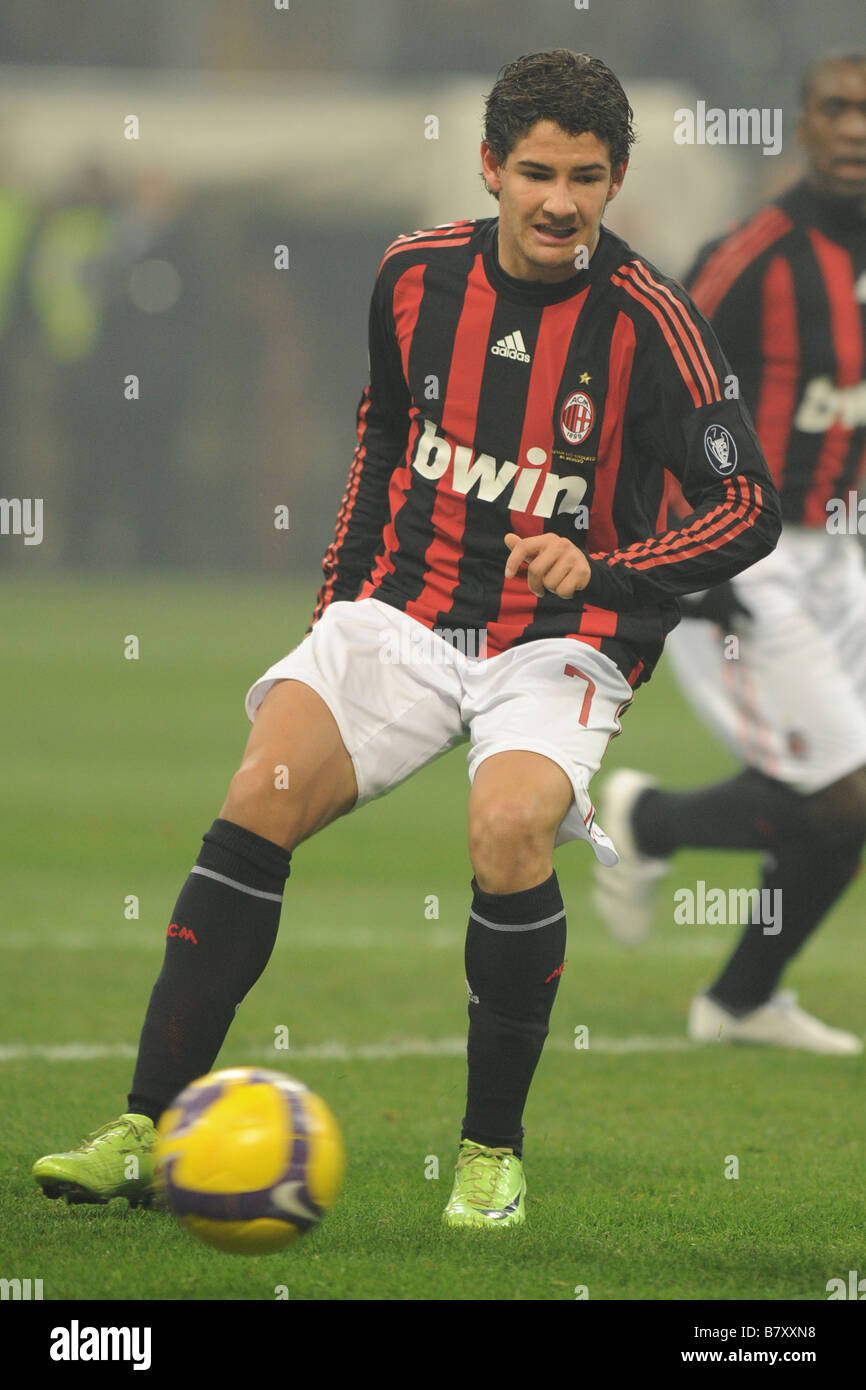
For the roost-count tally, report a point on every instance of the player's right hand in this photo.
(552, 562)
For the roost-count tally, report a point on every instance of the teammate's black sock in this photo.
(749, 811)
(810, 877)
(515, 948)
(218, 943)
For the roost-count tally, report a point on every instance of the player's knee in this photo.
(510, 840)
(258, 799)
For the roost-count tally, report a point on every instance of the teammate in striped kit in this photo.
(786, 293)
(498, 574)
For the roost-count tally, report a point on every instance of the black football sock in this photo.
(218, 943)
(515, 948)
(809, 877)
(749, 811)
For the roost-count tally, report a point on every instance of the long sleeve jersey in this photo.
(501, 405)
(786, 294)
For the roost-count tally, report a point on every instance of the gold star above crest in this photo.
(585, 378)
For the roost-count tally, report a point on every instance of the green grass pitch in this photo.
(113, 770)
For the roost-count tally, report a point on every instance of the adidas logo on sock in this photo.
(513, 346)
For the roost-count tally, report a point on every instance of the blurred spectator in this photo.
(152, 331)
(17, 212)
(112, 290)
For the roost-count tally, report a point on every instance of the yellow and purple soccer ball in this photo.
(248, 1160)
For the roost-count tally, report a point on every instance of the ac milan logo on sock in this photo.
(183, 933)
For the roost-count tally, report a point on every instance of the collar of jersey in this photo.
(827, 211)
(538, 291)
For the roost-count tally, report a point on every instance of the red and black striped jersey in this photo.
(786, 295)
(497, 404)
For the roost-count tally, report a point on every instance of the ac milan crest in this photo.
(576, 417)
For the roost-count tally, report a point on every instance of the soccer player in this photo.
(498, 574)
(786, 293)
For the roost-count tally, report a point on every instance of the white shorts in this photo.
(401, 696)
(791, 701)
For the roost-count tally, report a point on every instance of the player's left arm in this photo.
(689, 426)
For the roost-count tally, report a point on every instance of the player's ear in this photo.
(490, 166)
(617, 175)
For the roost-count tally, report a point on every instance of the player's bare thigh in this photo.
(296, 775)
(516, 804)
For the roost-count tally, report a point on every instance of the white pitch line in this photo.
(338, 1051)
(135, 938)
(129, 937)
(63, 1052)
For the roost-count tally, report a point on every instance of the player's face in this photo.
(553, 189)
(832, 129)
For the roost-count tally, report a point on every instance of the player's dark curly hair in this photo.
(577, 92)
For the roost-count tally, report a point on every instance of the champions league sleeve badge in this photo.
(720, 449)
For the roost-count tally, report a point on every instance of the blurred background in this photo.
(198, 196)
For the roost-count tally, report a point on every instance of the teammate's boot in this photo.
(489, 1188)
(778, 1023)
(103, 1166)
(625, 895)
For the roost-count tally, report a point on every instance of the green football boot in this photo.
(115, 1161)
(489, 1188)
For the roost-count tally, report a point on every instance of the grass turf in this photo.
(115, 767)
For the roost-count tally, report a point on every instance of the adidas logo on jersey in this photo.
(513, 346)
